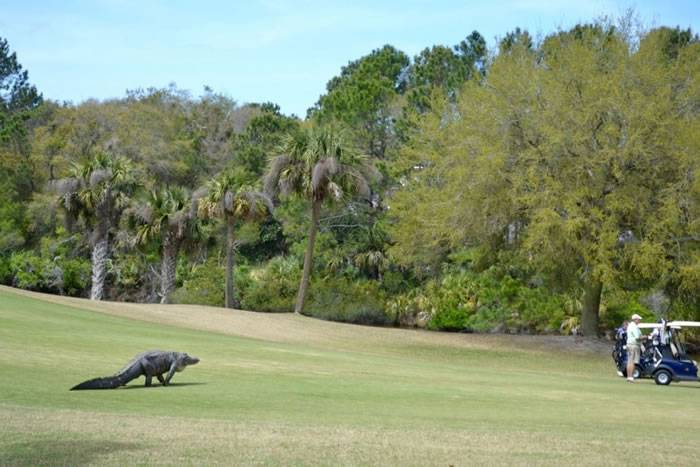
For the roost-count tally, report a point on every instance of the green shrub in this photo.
(491, 300)
(5, 271)
(619, 305)
(344, 300)
(132, 276)
(76, 274)
(449, 319)
(57, 274)
(272, 287)
(204, 285)
(26, 268)
(394, 283)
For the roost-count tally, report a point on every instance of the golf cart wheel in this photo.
(637, 373)
(662, 377)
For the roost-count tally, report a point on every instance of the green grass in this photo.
(396, 399)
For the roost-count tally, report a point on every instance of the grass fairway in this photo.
(288, 390)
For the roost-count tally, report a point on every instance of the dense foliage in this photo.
(549, 186)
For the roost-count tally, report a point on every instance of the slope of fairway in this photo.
(277, 389)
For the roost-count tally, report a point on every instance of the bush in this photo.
(273, 287)
(204, 286)
(492, 300)
(340, 299)
(5, 271)
(26, 268)
(57, 274)
(76, 274)
(619, 305)
(134, 276)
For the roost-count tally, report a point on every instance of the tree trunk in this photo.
(591, 303)
(308, 257)
(231, 301)
(168, 269)
(100, 254)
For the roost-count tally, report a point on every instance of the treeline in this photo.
(548, 186)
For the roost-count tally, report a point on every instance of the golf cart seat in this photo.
(674, 350)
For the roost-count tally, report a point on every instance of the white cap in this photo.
(636, 316)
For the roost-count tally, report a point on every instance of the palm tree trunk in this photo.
(168, 269)
(100, 254)
(230, 240)
(308, 257)
(592, 292)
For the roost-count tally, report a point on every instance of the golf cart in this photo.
(663, 354)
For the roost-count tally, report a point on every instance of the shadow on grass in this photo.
(63, 452)
(171, 385)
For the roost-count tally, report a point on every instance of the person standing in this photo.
(622, 331)
(634, 345)
(620, 349)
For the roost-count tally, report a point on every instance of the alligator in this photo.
(149, 364)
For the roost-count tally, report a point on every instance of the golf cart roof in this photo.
(684, 324)
(649, 325)
(671, 324)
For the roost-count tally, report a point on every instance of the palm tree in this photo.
(371, 257)
(320, 166)
(230, 198)
(98, 190)
(169, 217)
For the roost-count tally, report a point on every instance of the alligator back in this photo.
(147, 355)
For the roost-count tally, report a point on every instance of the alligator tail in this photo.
(109, 382)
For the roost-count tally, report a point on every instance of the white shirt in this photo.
(634, 334)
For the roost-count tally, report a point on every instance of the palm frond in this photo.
(98, 176)
(228, 201)
(357, 182)
(67, 189)
(319, 163)
(323, 171)
(65, 186)
(143, 213)
(198, 196)
(145, 232)
(335, 190)
(273, 177)
(254, 204)
(265, 201)
(287, 184)
(178, 221)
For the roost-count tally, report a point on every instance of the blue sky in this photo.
(264, 50)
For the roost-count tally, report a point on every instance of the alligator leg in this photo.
(173, 368)
(148, 372)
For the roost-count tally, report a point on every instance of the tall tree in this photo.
(320, 166)
(231, 198)
(98, 191)
(362, 97)
(581, 156)
(169, 218)
(263, 133)
(473, 51)
(518, 38)
(18, 100)
(17, 96)
(446, 69)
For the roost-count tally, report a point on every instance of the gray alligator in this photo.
(149, 364)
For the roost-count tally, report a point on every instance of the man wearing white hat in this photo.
(634, 345)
